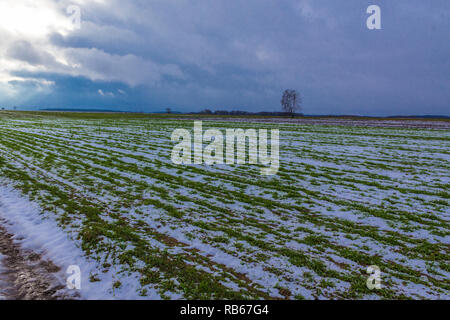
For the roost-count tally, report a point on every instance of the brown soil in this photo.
(26, 275)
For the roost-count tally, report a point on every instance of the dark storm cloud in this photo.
(241, 54)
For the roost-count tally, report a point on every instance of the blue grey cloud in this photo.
(190, 55)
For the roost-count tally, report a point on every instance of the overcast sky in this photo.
(146, 55)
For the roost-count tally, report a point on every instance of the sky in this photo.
(189, 55)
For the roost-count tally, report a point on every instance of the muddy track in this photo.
(26, 275)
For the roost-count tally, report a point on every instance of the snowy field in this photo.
(103, 194)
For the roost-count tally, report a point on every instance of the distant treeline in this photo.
(80, 110)
(282, 114)
(421, 117)
(244, 113)
(238, 113)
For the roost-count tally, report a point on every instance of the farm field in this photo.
(345, 198)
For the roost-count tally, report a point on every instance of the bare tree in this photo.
(291, 101)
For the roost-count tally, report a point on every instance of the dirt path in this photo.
(25, 275)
